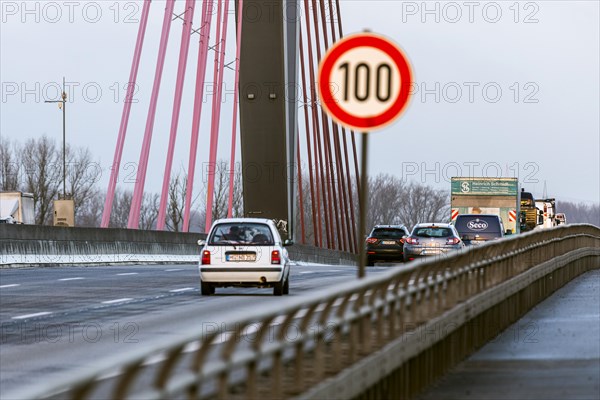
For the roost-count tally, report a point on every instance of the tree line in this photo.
(35, 166)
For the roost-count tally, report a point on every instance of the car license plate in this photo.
(240, 257)
(388, 242)
(430, 252)
(433, 244)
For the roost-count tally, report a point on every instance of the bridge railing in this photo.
(388, 335)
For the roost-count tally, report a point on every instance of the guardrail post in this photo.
(125, 380)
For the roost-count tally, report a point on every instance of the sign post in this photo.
(364, 84)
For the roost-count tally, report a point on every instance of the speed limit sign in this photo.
(364, 81)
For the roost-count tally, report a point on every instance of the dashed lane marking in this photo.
(117, 300)
(127, 273)
(185, 289)
(173, 269)
(11, 285)
(32, 315)
(71, 279)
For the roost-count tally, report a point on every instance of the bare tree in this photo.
(42, 174)
(82, 175)
(9, 166)
(175, 211)
(580, 213)
(422, 203)
(119, 216)
(237, 207)
(221, 192)
(385, 197)
(89, 214)
(149, 211)
(120, 210)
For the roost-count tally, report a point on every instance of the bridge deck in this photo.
(553, 352)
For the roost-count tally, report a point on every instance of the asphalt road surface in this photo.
(55, 320)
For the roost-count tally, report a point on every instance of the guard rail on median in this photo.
(360, 339)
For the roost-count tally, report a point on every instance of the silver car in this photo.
(431, 239)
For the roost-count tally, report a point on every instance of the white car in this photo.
(246, 252)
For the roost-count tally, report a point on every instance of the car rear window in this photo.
(433, 232)
(477, 224)
(388, 233)
(241, 233)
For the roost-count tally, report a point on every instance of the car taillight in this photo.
(371, 240)
(410, 240)
(275, 257)
(205, 257)
(401, 241)
(453, 241)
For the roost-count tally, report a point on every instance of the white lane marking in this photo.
(127, 273)
(185, 289)
(11, 285)
(32, 315)
(71, 279)
(173, 269)
(117, 300)
(320, 271)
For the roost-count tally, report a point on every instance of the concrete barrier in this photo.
(33, 245)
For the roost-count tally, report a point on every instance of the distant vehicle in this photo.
(528, 216)
(482, 195)
(7, 220)
(478, 228)
(546, 213)
(244, 252)
(561, 218)
(17, 208)
(385, 243)
(431, 239)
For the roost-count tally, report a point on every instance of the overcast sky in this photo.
(505, 87)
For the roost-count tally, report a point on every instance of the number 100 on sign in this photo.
(364, 81)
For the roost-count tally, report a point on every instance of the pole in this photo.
(64, 110)
(363, 205)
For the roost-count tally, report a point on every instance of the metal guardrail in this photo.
(315, 345)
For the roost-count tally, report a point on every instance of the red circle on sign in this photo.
(328, 100)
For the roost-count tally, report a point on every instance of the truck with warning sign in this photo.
(547, 213)
(481, 195)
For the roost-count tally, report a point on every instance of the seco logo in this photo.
(477, 225)
(464, 187)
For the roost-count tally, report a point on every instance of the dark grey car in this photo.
(385, 242)
(431, 239)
